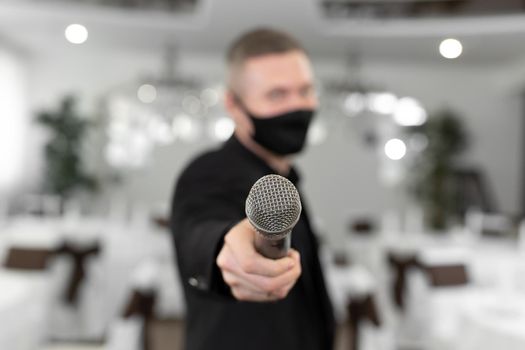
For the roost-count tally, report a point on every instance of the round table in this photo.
(494, 320)
(24, 308)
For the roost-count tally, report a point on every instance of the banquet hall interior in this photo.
(414, 170)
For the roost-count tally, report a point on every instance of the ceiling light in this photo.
(409, 112)
(450, 48)
(384, 103)
(76, 33)
(147, 93)
(354, 103)
(223, 128)
(395, 149)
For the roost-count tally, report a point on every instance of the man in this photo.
(236, 298)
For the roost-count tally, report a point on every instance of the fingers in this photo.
(235, 281)
(240, 241)
(245, 291)
(273, 284)
(250, 275)
(262, 284)
(295, 256)
(283, 292)
(235, 276)
(246, 295)
(258, 288)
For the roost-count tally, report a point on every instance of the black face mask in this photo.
(282, 134)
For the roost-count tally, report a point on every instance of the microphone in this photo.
(273, 207)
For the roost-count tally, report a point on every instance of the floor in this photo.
(171, 333)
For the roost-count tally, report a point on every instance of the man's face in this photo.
(277, 83)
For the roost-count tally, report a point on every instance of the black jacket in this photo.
(209, 199)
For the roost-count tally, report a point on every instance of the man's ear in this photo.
(230, 102)
(241, 120)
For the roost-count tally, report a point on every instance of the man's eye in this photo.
(305, 92)
(277, 95)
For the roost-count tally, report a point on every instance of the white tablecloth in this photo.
(24, 309)
(493, 321)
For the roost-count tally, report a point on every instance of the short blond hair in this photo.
(255, 43)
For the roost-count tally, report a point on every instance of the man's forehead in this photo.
(281, 68)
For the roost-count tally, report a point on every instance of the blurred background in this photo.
(415, 169)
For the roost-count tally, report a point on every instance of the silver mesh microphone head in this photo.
(273, 206)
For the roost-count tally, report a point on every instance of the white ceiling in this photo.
(35, 26)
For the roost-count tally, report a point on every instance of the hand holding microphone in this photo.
(255, 260)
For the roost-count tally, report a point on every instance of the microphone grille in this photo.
(273, 206)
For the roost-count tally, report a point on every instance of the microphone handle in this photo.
(272, 248)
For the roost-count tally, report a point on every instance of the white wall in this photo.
(81, 71)
(492, 117)
(14, 119)
(340, 175)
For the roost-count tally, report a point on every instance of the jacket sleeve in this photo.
(204, 208)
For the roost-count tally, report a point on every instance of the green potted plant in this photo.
(64, 172)
(433, 182)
